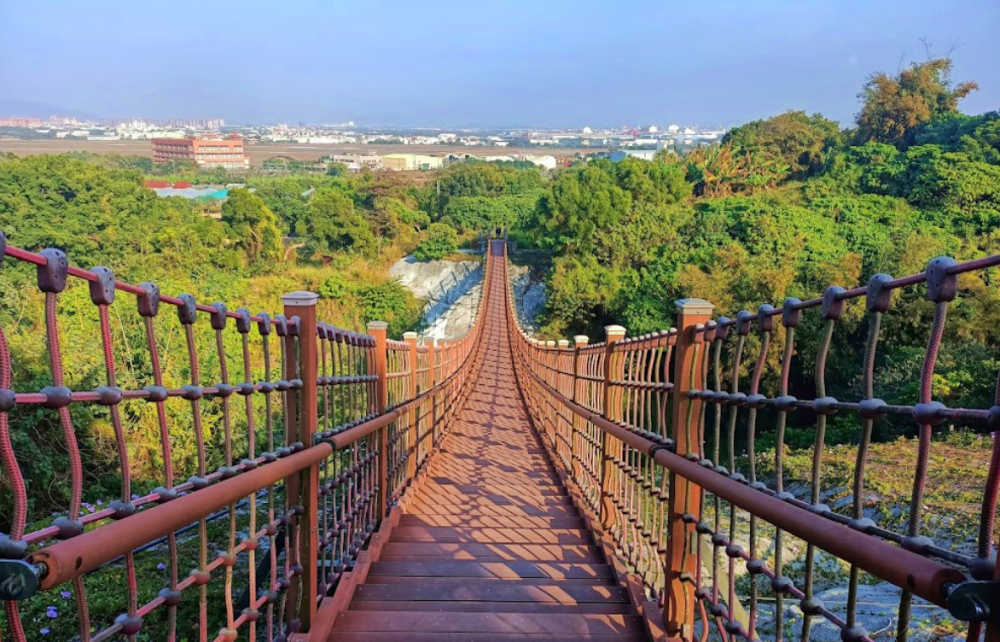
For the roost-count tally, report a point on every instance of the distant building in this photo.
(587, 130)
(653, 129)
(644, 154)
(403, 162)
(206, 152)
(548, 162)
(17, 121)
(355, 162)
(184, 189)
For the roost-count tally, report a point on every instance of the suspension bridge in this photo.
(495, 487)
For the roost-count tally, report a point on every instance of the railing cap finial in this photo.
(694, 306)
(300, 298)
(614, 331)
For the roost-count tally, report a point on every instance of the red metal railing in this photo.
(299, 453)
(650, 429)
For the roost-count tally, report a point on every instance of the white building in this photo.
(653, 129)
(355, 162)
(587, 130)
(548, 162)
(673, 129)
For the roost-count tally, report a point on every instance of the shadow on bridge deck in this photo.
(490, 545)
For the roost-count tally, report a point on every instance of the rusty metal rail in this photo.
(324, 441)
(659, 436)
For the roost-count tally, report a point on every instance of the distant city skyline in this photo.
(515, 64)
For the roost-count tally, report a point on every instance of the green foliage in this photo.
(391, 302)
(105, 217)
(793, 139)
(480, 179)
(331, 223)
(254, 228)
(404, 214)
(286, 196)
(441, 241)
(893, 107)
(580, 206)
(336, 286)
(614, 211)
(476, 213)
(375, 299)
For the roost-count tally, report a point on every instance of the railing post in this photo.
(580, 341)
(548, 348)
(563, 346)
(412, 440)
(378, 330)
(303, 306)
(685, 497)
(614, 334)
(564, 380)
(431, 382)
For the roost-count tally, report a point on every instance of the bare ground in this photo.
(259, 153)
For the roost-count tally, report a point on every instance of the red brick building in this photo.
(207, 152)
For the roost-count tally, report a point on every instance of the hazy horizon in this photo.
(460, 64)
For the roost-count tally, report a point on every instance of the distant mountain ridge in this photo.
(35, 109)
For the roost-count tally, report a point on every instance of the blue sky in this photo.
(482, 62)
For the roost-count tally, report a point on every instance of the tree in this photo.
(721, 170)
(894, 106)
(482, 179)
(794, 139)
(581, 205)
(391, 302)
(652, 182)
(441, 241)
(286, 196)
(332, 224)
(254, 228)
(337, 169)
(482, 213)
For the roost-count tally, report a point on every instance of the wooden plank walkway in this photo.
(490, 546)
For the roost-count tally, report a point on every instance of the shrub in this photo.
(441, 241)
